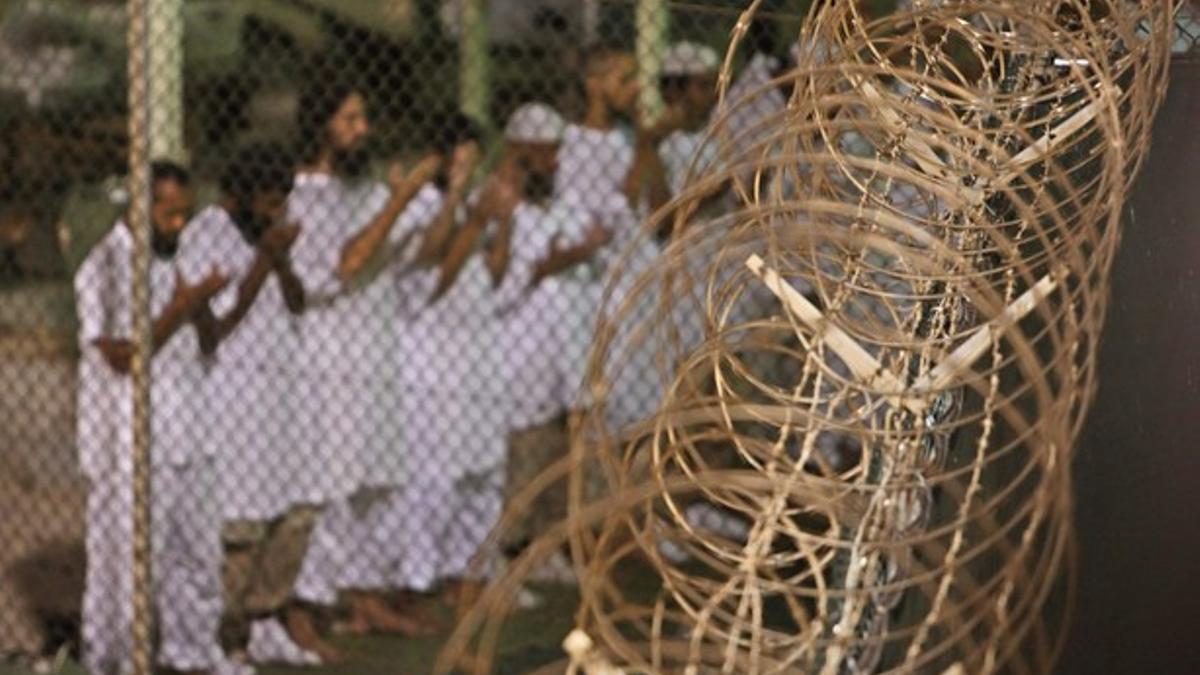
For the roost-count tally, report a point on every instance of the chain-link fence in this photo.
(296, 293)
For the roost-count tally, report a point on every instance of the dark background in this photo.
(1137, 470)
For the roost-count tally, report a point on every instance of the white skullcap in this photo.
(535, 123)
(689, 58)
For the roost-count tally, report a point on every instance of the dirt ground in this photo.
(41, 492)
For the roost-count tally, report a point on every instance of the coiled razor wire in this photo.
(873, 357)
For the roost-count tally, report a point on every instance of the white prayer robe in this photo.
(375, 528)
(253, 386)
(750, 102)
(348, 373)
(185, 541)
(593, 165)
(686, 155)
(347, 339)
(457, 411)
(539, 328)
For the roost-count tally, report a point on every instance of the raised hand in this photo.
(503, 193)
(401, 178)
(118, 353)
(555, 247)
(278, 239)
(209, 286)
(462, 165)
(426, 169)
(509, 194)
(190, 298)
(181, 295)
(672, 119)
(597, 235)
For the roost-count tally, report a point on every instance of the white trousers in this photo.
(357, 544)
(444, 525)
(186, 558)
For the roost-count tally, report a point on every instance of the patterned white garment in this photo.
(186, 557)
(749, 102)
(686, 154)
(352, 402)
(749, 105)
(347, 341)
(377, 528)
(457, 411)
(592, 167)
(414, 286)
(253, 386)
(571, 298)
(186, 522)
(539, 363)
(102, 289)
(636, 376)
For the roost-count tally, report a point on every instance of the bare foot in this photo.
(303, 630)
(449, 594)
(462, 594)
(415, 606)
(357, 625)
(373, 612)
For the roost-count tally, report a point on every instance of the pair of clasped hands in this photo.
(499, 197)
(188, 300)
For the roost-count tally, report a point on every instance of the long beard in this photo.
(351, 164)
(539, 187)
(249, 225)
(622, 115)
(164, 246)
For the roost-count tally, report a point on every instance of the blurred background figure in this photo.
(553, 246)
(689, 88)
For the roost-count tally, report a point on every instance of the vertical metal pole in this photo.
(591, 22)
(652, 21)
(140, 123)
(164, 28)
(473, 94)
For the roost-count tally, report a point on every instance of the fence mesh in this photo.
(358, 250)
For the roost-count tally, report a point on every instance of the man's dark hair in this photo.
(673, 86)
(163, 170)
(258, 168)
(455, 129)
(761, 37)
(598, 57)
(324, 94)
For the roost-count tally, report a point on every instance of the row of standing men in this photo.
(362, 348)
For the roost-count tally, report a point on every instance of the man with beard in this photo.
(608, 171)
(483, 360)
(348, 368)
(597, 155)
(689, 86)
(186, 545)
(560, 241)
(252, 391)
(411, 235)
(416, 242)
